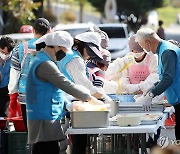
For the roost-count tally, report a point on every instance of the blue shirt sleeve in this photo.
(169, 61)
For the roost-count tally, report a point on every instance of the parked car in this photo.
(118, 35)
(20, 37)
(74, 29)
(118, 38)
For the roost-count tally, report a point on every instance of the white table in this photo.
(141, 129)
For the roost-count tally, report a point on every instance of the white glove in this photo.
(128, 59)
(107, 99)
(69, 106)
(146, 101)
(148, 90)
(131, 88)
(95, 101)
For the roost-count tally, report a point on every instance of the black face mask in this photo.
(60, 55)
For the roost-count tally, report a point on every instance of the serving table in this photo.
(140, 131)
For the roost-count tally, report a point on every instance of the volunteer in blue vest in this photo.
(6, 46)
(73, 66)
(45, 96)
(22, 58)
(168, 69)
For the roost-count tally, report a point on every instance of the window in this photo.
(114, 32)
(76, 31)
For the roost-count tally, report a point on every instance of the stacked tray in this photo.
(146, 118)
(137, 108)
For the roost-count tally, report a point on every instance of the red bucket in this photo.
(3, 123)
(18, 124)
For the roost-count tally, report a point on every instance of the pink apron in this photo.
(139, 72)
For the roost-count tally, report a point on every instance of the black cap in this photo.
(42, 23)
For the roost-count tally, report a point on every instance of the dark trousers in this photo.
(177, 118)
(4, 101)
(79, 143)
(50, 147)
(23, 110)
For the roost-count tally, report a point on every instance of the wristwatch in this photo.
(151, 94)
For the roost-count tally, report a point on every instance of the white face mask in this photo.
(138, 55)
(3, 56)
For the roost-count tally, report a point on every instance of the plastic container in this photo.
(126, 98)
(3, 123)
(125, 120)
(90, 119)
(18, 124)
(114, 97)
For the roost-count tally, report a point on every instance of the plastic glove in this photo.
(107, 99)
(149, 89)
(95, 101)
(69, 106)
(131, 88)
(146, 101)
(128, 59)
(14, 106)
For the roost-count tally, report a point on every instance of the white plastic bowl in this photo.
(125, 120)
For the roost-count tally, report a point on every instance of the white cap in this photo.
(58, 38)
(89, 37)
(93, 43)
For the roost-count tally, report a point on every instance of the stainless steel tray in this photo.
(89, 119)
(137, 108)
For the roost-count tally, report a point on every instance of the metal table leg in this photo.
(143, 144)
(112, 143)
(128, 143)
(95, 143)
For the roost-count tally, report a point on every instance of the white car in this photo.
(20, 37)
(118, 35)
(118, 38)
(74, 29)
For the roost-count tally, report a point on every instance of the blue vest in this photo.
(44, 101)
(4, 71)
(27, 63)
(62, 63)
(173, 92)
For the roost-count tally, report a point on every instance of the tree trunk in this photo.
(39, 12)
(81, 12)
(1, 18)
(48, 4)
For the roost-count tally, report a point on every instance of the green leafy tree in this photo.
(18, 12)
(139, 8)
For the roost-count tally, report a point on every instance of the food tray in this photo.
(89, 119)
(146, 118)
(137, 108)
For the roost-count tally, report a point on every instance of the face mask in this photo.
(137, 55)
(60, 55)
(3, 56)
